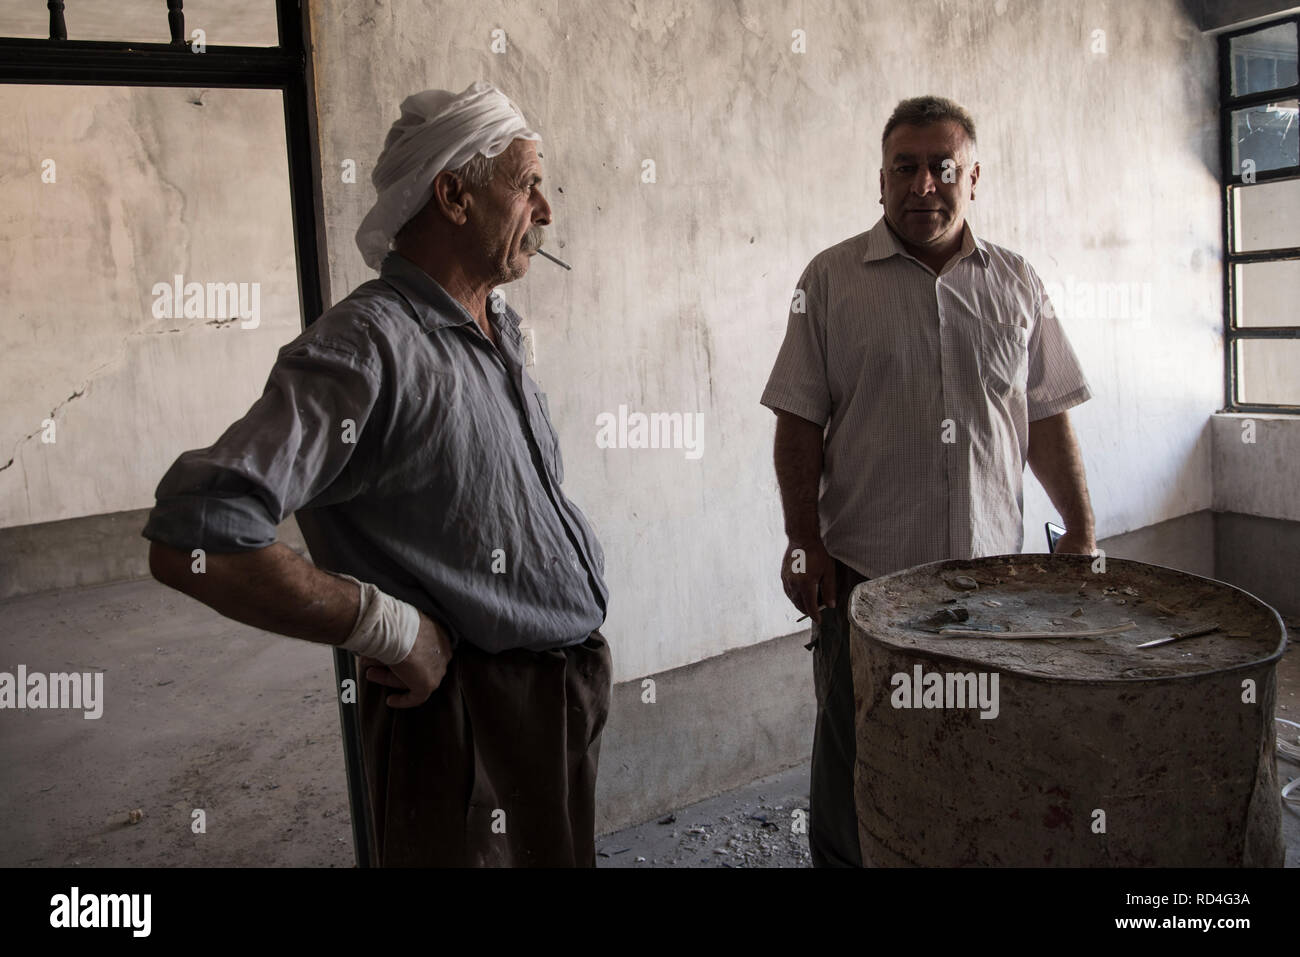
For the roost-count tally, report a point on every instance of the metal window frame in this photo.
(286, 67)
(1230, 181)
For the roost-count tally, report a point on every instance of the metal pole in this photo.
(312, 286)
(176, 21)
(58, 29)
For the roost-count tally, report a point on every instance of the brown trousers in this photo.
(497, 768)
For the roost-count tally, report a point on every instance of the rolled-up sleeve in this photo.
(296, 441)
(798, 382)
(1056, 381)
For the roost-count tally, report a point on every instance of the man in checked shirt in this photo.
(921, 369)
(419, 457)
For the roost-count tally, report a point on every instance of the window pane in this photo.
(1268, 294)
(1266, 216)
(224, 22)
(1264, 60)
(1268, 371)
(1265, 136)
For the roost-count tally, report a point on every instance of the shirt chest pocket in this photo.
(1003, 357)
(547, 440)
(995, 319)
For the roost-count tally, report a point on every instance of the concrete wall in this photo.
(1255, 457)
(1098, 164)
(711, 726)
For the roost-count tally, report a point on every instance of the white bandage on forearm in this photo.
(386, 626)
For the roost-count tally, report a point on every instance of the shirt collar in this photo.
(881, 243)
(435, 308)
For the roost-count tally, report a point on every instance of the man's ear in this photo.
(450, 198)
(882, 186)
(974, 178)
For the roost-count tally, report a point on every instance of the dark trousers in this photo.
(497, 768)
(833, 813)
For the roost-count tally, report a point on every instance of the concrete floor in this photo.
(204, 714)
(200, 713)
(752, 826)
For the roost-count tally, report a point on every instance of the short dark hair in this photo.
(924, 110)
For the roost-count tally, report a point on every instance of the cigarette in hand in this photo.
(819, 608)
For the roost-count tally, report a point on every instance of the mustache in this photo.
(534, 239)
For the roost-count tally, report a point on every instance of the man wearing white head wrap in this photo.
(437, 131)
(418, 455)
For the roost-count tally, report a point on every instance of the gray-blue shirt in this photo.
(417, 457)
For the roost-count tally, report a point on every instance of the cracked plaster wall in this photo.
(148, 183)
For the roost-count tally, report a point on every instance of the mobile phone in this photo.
(1054, 532)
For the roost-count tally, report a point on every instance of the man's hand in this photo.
(805, 568)
(1075, 543)
(797, 455)
(419, 673)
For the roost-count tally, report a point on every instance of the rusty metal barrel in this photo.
(979, 744)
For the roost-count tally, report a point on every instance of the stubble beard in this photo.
(506, 270)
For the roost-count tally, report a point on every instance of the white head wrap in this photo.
(437, 130)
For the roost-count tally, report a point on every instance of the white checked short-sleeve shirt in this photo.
(926, 386)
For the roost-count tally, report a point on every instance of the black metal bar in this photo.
(105, 63)
(291, 25)
(1225, 174)
(1261, 97)
(1266, 332)
(1284, 172)
(358, 797)
(176, 21)
(305, 200)
(1279, 409)
(1264, 176)
(1264, 256)
(58, 29)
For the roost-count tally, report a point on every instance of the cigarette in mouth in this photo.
(558, 262)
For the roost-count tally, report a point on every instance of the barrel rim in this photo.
(1040, 558)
